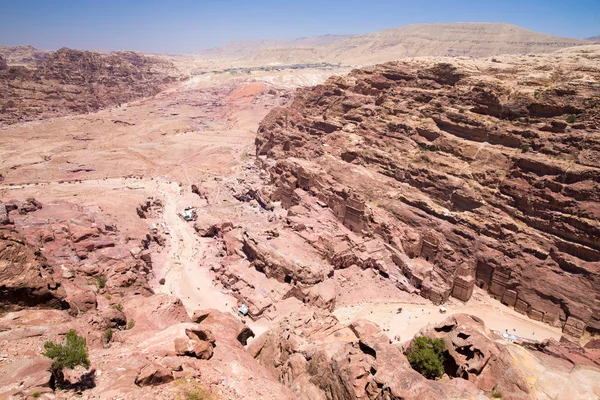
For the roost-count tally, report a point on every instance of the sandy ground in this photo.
(415, 316)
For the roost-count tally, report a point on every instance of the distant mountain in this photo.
(471, 39)
(594, 39)
(243, 48)
(24, 55)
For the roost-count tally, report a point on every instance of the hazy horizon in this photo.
(190, 26)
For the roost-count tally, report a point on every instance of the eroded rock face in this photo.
(317, 357)
(472, 354)
(457, 181)
(72, 81)
(25, 276)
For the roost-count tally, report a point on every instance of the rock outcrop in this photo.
(319, 358)
(26, 276)
(74, 82)
(472, 354)
(460, 174)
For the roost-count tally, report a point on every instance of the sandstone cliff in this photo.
(73, 82)
(468, 172)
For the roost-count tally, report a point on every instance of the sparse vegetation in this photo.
(524, 148)
(427, 357)
(192, 391)
(108, 297)
(69, 355)
(196, 394)
(101, 282)
(537, 93)
(107, 335)
(35, 395)
(130, 324)
(496, 394)
(461, 110)
(571, 119)
(118, 306)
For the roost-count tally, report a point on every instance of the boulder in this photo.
(153, 375)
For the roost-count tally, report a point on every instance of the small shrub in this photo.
(525, 148)
(461, 110)
(100, 282)
(69, 355)
(496, 394)
(108, 297)
(35, 395)
(537, 93)
(118, 306)
(108, 335)
(130, 324)
(571, 119)
(196, 394)
(427, 357)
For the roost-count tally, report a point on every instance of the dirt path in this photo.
(185, 275)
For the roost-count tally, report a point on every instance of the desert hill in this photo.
(471, 39)
(244, 48)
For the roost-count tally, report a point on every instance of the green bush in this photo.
(107, 336)
(69, 355)
(571, 119)
(130, 324)
(100, 282)
(427, 357)
(525, 148)
(496, 394)
(35, 395)
(118, 306)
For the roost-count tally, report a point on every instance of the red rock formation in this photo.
(471, 353)
(26, 276)
(464, 175)
(72, 81)
(317, 357)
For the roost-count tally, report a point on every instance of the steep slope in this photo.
(481, 172)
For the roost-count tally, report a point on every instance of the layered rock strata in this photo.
(472, 173)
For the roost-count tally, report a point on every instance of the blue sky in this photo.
(179, 26)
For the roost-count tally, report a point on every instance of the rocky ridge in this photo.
(73, 82)
(461, 173)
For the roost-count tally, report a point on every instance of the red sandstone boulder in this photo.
(153, 375)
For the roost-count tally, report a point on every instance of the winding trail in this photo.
(185, 275)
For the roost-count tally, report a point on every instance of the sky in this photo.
(186, 26)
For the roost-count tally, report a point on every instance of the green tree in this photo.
(69, 355)
(427, 357)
